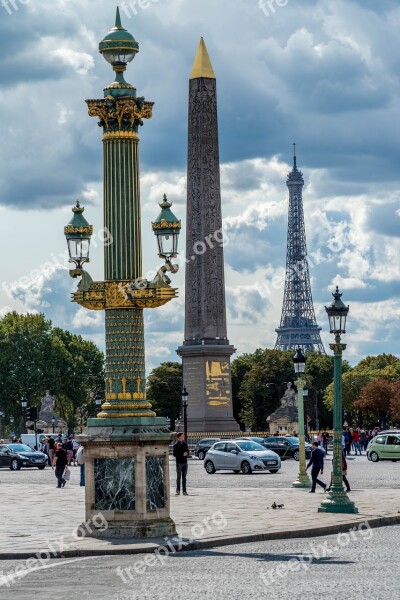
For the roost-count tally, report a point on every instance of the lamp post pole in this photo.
(337, 500)
(185, 395)
(2, 416)
(24, 404)
(299, 362)
(53, 422)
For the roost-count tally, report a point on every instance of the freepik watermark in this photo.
(54, 549)
(46, 269)
(315, 553)
(12, 6)
(268, 7)
(216, 521)
(132, 7)
(218, 238)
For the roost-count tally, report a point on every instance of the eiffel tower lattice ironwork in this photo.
(298, 324)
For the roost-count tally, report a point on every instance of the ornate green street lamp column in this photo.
(337, 500)
(299, 361)
(126, 445)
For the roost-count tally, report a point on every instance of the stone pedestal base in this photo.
(127, 480)
(219, 426)
(207, 377)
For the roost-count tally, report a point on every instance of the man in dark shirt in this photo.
(60, 462)
(50, 450)
(181, 452)
(316, 463)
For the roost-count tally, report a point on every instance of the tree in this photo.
(25, 353)
(164, 390)
(78, 374)
(34, 358)
(395, 401)
(262, 386)
(376, 399)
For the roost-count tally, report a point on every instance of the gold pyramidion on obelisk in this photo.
(202, 64)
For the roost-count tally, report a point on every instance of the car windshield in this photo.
(292, 440)
(20, 448)
(250, 446)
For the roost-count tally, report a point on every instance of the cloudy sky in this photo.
(322, 73)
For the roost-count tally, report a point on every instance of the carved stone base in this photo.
(157, 528)
(127, 481)
(207, 377)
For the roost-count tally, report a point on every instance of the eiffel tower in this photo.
(298, 324)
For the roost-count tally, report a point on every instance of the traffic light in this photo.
(33, 413)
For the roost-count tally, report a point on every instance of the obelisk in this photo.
(206, 350)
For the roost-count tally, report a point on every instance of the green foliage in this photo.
(164, 389)
(365, 388)
(253, 372)
(34, 358)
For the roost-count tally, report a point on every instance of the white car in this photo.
(241, 456)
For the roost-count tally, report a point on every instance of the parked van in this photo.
(30, 439)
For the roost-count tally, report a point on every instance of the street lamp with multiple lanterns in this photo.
(337, 500)
(299, 362)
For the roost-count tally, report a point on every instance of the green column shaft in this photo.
(337, 479)
(302, 478)
(123, 256)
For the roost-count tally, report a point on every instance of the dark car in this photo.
(15, 456)
(203, 446)
(286, 447)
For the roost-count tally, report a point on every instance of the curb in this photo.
(211, 543)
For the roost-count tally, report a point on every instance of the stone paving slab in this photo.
(37, 518)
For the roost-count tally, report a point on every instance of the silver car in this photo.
(241, 455)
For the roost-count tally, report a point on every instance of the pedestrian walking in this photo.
(363, 440)
(181, 452)
(80, 457)
(316, 463)
(60, 462)
(325, 440)
(347, 440)
(356, 441)
(75, 446)
(50, 450)
(344, 474)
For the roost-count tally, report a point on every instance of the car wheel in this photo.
(201, 455)
(273, 470)
(209, 467)
(236, 471)
(374, 457)
(42, 467)
(296, 455)
(14, 465)
(246, 468)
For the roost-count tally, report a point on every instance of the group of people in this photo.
(357, 439)
(63, 453)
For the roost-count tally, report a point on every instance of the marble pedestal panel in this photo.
(127, 481)
(207, 377)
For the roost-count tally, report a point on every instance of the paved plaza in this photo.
(223, 508)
